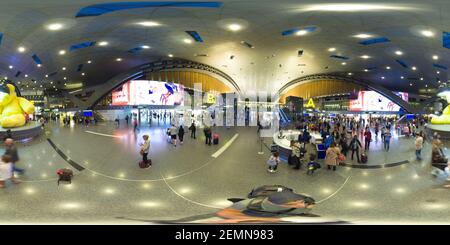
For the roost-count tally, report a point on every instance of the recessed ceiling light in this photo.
(402, 77)
(55, 27)
(332, 49)
(46, 75)
(439, 81)
(63, 68)
(410, 84)
(349, 73)
(149, 23)
(103, 43)
(344, 63)
(186, 40)
(89, 61)
(382, 77)
(51, 82)
(145, 46)
(26, 75)
(366, 70)
(234, 27)
(82, 74)
(170, 55)
(301, 32)
(435, 57)
(398, 52)
(10, 67)
(119, 59)
(62, 52)
(6, 78)
(362, 35)
(365, 56)
(388, 67)
(39, 65)
(65, 78)
(353, 7)
(421, 79)
(427, 33)
(21, 49)
(426, 85)
(438, 72)
(414, 68)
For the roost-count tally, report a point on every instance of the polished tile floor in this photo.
(187, 181)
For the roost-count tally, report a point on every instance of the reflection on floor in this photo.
(187, 184)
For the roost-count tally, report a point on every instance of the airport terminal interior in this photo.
(214, 112)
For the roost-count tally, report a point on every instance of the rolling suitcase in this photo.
(147, 164)
(363, 158)
(65, 174)
(215, 139)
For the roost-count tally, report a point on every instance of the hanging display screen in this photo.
(144, 92)
(373, 101)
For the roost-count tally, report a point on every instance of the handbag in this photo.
(141, 152)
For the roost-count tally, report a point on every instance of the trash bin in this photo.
(321, 151)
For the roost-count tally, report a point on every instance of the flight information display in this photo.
(145, 92)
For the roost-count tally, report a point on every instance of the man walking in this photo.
(419, 146)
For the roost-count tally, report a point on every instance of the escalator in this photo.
(284, 118)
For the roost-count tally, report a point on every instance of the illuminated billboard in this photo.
(373, 101)
(144, 92)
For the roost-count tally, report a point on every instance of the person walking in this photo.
(367, 138)
(355, 144)
(208, 134)
(331, 157)
(387, 138)
(11, 150)
(193, 129)
(127, 118)
(181, 134)
(419, 146)
(173, 134)
(145, 148)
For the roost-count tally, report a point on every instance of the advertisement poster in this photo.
(144, 92)
(373, 101)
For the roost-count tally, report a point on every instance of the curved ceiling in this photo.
(277, 30)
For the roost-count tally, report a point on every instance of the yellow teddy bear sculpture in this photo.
(13, 109)
(444, 118)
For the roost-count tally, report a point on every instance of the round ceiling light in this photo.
(149, 23)
(365, 56)
(234, 27)
(170, 55)
(427, 33)
(332, 49)
(21, 49)
(186, 40)
(145, 46)
(398, 52)
(103, 43)
(119, 59)
(55, 26)
(435, 57)
(362, 35)
(62, 52)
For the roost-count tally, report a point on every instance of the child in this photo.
(312, 165)
(6, 172)
(273, 162)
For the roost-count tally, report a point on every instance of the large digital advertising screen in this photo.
(144, 92)
(373, 101)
